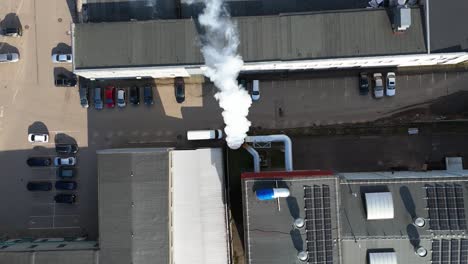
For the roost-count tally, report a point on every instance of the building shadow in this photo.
(71, 4)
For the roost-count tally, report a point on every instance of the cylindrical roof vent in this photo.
(419, 222)
(420, 251)
(303, 256)
(272, 193)
(299, 223)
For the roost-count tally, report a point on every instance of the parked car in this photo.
(12, 32)
(65, 81)
(62, 58)
(84, 101)
(204, 134)
(68, 161)
(9, 57)
(121, 98)
(39, 186)
(65, 198)
(363, 84)
(66, 172)
(378, 85)
(109, 95)
(39, 162)
(66, 148)
(148, 95)
(65, 185)
(98, 103)
(255, 90)
(179, 88)
(135, 95)
(38, 138)
(391, 84)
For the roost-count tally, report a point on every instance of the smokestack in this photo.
(223, 64)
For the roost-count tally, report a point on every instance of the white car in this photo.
(62, 58)
(38, 138)
(378, 85)
(69, 161)
(121, 101)
(255, 90)
(9, 57)
(391, 84)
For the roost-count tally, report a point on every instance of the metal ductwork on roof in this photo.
(288, 163)
(379, 205)
(383, 258)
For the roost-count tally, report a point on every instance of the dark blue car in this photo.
(65, 185)
(39, 186)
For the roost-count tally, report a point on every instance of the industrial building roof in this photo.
(438, 201)
(133, 193)
(351, 33)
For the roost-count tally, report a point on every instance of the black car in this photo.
(64, 81)
(39, 186)
(84, 97)
(66, 172)
(363, 84)
(179, 87)
(39, 162)
(66, 148)
(12, 32)
(65, 185)
(148, 95)
(135, 95)
(65, 198)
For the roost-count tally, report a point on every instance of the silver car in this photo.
(9, 57)
(62, 58)
(121, 98)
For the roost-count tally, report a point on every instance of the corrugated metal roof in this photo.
(382, 258)
(351, 33)
(133, 206)
(379, 206)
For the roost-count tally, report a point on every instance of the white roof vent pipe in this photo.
(303, 256)
(288, 162)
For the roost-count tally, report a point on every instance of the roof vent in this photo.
(303, 256)
(419, 222)
(382, 258)
(299, 223)
(420, 251)
(379, 205)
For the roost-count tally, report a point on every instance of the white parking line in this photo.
(65, 227)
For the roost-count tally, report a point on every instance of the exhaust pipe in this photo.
(288, 163)
(256, 157)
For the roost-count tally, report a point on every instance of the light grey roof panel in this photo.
(133, 206)
(348, 33)
(50, 257)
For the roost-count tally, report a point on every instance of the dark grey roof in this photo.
(50, 257)
(448, 22)
(270, 236)
(133, 206)
(364, 32)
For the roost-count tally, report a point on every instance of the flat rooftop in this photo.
(350, 33)
(133, 193)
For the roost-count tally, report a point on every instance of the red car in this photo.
(109, 96)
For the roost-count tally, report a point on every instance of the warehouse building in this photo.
(350, 218)
(155, 206)
(329, 40)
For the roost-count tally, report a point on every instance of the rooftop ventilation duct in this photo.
(383, 258)
(379, 206)
(288, 162)
(420, 251)
(303, 256)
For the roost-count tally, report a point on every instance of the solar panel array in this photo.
(453, 251)
(446, 207)
(318, 224)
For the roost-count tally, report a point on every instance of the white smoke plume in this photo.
(219, 48)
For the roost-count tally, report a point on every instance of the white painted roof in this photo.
(198, 208)
(379, 205)
(382, 258)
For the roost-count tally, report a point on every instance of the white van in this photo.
(204, 134)
(255, 90)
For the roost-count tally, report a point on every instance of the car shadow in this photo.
(62, 71)
(11, 20)
(63, 138)
(7, 48)
(61, 48)
(38, 127)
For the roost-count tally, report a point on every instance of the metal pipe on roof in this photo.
(428, 28)
(288, 162)
(256, 157)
